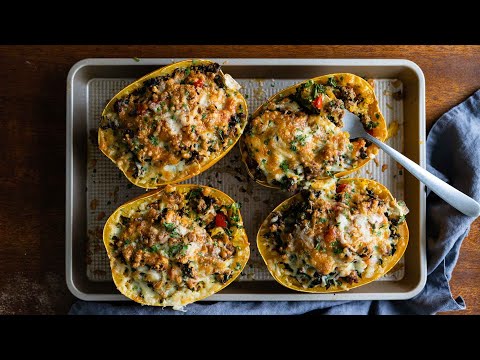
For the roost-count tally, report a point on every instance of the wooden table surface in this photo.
(32, 152)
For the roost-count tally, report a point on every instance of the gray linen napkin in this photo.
(453, 154)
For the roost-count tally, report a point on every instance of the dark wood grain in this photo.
(32, 152)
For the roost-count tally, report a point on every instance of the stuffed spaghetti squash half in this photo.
(173, 123)
(335, 236)
(296, 137)
(176, 245)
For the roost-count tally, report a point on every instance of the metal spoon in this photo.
(460, 201)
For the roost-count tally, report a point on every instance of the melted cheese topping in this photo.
(298, 138)
(334, 237)
(176, 247)
(188, 117)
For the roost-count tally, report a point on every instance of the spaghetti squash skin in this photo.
(176, 245)
(296, 137)
(173, 123)
(334, 237)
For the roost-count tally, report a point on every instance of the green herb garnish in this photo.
(337, 249)
(371, 125)
(284, 166)
(175, 249)
(169, 226)
(301, 139)
(154, 140)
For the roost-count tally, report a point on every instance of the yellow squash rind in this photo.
(240, 241)
(103, 137)
(292, 283)
(380, 132)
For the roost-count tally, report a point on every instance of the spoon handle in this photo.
(457, 199)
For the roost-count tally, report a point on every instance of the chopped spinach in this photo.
(306, 93)
(331, 82)
(154, 248)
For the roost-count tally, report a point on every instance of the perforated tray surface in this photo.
(107, 187)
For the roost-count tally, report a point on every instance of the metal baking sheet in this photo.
(107, 188)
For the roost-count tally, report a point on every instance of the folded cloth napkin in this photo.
(452, 154)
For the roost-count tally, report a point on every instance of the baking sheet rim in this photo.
(244, 62)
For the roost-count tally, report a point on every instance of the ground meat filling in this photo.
(299, 138)
(335, 236)
(179, 242)
(177, 121)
